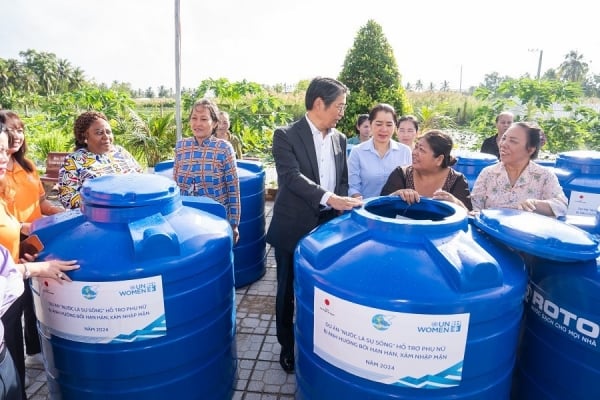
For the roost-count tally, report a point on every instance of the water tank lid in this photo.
(538, 235)
(163, 165)
(131, 190)
(586, 157)
(476, 158)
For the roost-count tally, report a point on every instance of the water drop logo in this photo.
(89, 292)
(380, 322)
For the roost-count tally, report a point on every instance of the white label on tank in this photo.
(581, 203)
(421, 351)
(101, 312)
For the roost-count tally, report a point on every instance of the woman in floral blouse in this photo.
(95, 155)
(518, 182)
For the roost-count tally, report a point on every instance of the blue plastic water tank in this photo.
(579, 171)
(164, 168)
(470, 163)
(546, 163)
(559, 353)
(405, 302)
(151, 311)
(250, 253)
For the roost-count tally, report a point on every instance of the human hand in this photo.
(236, 234)
(54, 269)
(528, 205)
(410, 196)
(26, 228)
(344, 203)
(447, 196)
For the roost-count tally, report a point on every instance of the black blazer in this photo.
(296, 208)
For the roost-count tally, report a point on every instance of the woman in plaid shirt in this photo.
(205, 165)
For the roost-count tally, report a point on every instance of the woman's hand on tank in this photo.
(408, 195)
(53, 269)
(528, 205)
(236, 234)
(447, 196)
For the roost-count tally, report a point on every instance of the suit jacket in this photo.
(296, 208)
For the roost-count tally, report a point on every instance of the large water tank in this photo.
(470, 163)
(250, 253)
(579, 175)
(559, 353)
(405, 302)
(151, 312)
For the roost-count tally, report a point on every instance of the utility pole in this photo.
(539, 68)
(177, 71)
(540, 64)
(460, 81)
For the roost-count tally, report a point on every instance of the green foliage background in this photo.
(49, 93)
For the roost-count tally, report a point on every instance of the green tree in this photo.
(492, 81)
(419, 85)
(535, 99)
(151, 139)
(254, 113)
(371, 73)
(550, 74)
(573, 68)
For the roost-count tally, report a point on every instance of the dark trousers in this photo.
(32, 339)
(284, 302)
(13, 339)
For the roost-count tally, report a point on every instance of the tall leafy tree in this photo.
(573, 68)
(371, 73)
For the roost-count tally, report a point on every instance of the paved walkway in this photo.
(259, 375)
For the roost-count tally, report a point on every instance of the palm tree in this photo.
(573, 68)
(151, 138)
(76, 79)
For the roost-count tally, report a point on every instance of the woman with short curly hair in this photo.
(95, 155)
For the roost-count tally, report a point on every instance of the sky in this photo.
(282, 41)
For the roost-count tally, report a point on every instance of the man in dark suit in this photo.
(312, 176)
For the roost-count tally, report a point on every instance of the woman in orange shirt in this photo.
(26, 202)
(10, 231)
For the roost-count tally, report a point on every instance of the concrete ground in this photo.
(259, 375)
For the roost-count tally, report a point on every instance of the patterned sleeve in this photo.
(69, 182)
(479, 192)
(553, 192)
(176, 160)
(232, 187)
(131, 164)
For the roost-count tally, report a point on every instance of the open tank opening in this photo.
(396, 208)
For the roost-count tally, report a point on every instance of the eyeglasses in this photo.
(100, 132)
(341, 107)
